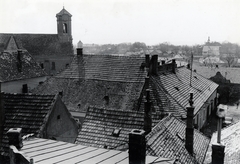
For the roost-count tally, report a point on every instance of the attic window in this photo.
(42, 66)
(58, 117)
(116, 132)
(106, 99)
(176, 88)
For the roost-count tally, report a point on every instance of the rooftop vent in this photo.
(176, 88)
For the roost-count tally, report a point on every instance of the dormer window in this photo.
(176, 88)
(116, 132)
(106, 99)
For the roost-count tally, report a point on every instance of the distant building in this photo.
(209, 50)
(44, 116)
(52, 51)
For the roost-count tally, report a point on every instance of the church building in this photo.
(53, 52)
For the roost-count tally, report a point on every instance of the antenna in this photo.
(191, 64)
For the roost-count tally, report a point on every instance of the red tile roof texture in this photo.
(26, 111)
(167, 139)
(99, 124)
(10, 71)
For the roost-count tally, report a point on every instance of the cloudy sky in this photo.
(179, 22)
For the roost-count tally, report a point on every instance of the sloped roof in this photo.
(9, 64)
(79, 94)
(26, 111)
(63, 11)
(39, 44)
(49, 151)
(119, 78)
(229, 72)
(230, 139)
(106, 67)
(99, 124)
(167, 139)
(177, 87)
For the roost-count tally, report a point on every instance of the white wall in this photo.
(16, 86)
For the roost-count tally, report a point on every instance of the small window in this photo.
(106, 99)
(42, 66)
(65, 28)
(176, 88)
(58, 117)
(53, 66)
(24, 88)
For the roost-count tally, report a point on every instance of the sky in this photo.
(178, 22)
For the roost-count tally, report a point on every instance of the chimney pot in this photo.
(147, 82)
(154, 64)
(147, 60)
(147, 113)
(80, 51)
(173, 65)
(218, 154)
(137, 147)
(190, 128)
(15, 137)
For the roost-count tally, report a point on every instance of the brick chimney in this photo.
(163, 62)
(15, 137)
(147, 82)
(19, 61)
(154, 64)
(217, 148)
(147, 113)
(79, 48)
(2, 112)
(137, 147)
(190, 129)
(147, 60)
(173, 65)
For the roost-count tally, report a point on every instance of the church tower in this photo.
(64, 26)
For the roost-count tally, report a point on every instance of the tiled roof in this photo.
(49, 151)
(164, 100)
(167, 139)
(99, 124)
(26, 111)
(228, 72)
(39, 44)
(176, 86)
(118, 78)
(79, 94)
(230, 139)
(106, 67)
(9, 66)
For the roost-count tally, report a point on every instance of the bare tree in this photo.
(230, 59)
